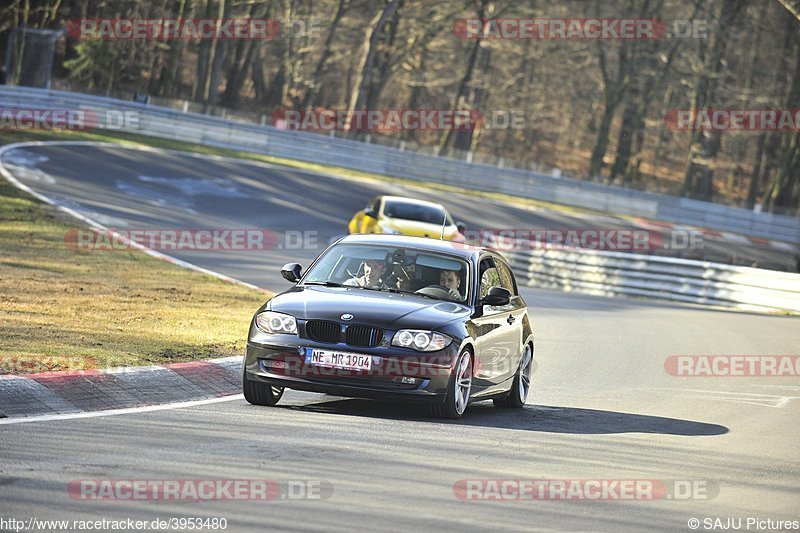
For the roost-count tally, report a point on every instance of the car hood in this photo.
(381, 309)
(420, 229)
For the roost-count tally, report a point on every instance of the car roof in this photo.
(465, 251)
(412, 200)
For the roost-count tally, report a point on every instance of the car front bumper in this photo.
(396, 373)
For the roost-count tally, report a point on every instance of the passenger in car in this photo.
(372, 278)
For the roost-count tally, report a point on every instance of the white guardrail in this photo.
(316, 148)
(615, 273)
(579, 270)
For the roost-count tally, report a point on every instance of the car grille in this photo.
(323, 331)
(330, 332)
(363, 336)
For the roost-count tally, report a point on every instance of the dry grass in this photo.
(64, 309)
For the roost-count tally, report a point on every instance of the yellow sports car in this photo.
(396, 215)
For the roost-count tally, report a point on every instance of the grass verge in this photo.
(62, 309)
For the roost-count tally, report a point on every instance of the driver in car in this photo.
(452, 281)
(372, 278)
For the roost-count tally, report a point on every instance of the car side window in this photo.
(506, 278)
(489, 277)
(374, 204)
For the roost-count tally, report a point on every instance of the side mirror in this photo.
(497, 297)
(370, 213)
(461, 227)
(291, 272)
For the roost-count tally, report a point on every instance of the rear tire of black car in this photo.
(522, 383)
(458, 390)
(258, 393)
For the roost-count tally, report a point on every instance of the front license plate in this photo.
(348, 361)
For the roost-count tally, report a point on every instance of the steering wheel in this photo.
(437, 291)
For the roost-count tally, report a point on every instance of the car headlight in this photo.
(388, 229)
(272, 322)
(421, 340)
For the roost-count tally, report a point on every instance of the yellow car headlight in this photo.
(387, 228)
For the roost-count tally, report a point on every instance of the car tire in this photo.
(258, 393)
(522, 382)
(458, 390)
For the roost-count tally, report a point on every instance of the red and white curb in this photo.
(714, 235)
(80, 391)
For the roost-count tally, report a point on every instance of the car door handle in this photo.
(510, 319)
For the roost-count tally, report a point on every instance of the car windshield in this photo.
(431, 214)
(392, 268)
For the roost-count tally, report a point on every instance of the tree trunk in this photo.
(467, 139)
(627, 129)
(218, 54)
(462, 100)
(382, 67)
(170, 78)
(416, 97)
(601, 141)
(358, 96)
(630, 143)
(239, 65)
(231, 97)
(711, 55)
(786, 177)
(257, 72)
(203, 63)
(614, 89)
(286, 57)
(756, 172)
(310, 98)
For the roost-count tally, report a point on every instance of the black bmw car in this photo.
(395, 318)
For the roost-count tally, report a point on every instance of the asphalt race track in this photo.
(602, 405)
